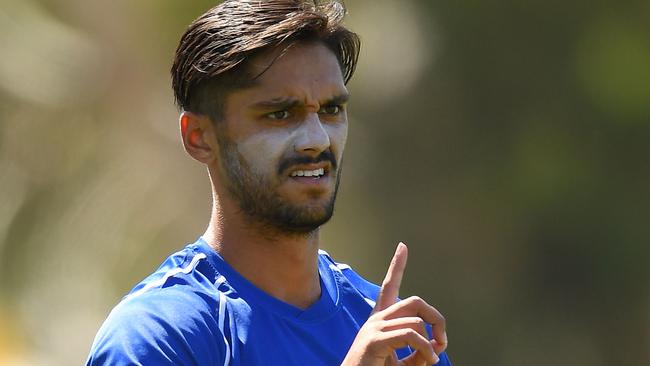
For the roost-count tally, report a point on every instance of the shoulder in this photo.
(367, 289)
(168, 319)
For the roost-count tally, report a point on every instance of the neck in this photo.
(284, 265)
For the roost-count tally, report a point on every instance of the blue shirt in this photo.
(197, 310)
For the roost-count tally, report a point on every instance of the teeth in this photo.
(308, 173)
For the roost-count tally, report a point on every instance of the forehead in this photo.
(300, 71)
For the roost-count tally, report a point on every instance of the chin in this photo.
(304, 219)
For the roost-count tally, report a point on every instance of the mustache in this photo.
(297, 160)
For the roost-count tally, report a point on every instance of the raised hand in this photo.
(393, 325)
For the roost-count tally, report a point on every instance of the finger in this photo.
(412, 322)
(418, 325)
(417, 359)
(390, 286)
(400, 338)
(438, 348)
(415, 306)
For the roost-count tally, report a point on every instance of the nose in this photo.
(312, 138)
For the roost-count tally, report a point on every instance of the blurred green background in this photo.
(508, 143)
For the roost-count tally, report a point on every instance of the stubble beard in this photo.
(260, 202)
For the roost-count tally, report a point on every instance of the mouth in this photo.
(308, 169)
(309, 173)
(315, 173)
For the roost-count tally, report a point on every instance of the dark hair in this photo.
(211, 58)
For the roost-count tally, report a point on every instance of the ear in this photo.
(197, 133)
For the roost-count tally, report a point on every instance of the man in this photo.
(261, 85)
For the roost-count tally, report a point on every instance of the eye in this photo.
(330, 109)
(279, 115)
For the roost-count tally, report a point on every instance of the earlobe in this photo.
(195, 133)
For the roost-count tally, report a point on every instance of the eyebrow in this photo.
(288, 103)
(277, 103)
(337, 99)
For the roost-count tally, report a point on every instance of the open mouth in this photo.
(314, 174)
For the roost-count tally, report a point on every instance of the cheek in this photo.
(263, 151)
(338, 137)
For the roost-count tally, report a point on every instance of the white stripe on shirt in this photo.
(172, 272)
(222, 318)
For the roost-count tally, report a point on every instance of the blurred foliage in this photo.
(506, 142)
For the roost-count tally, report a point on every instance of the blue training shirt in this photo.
(197, 310)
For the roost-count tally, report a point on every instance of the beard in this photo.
(258, 196)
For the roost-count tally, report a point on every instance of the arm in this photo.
(394, 325)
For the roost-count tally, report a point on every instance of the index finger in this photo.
(390, 286)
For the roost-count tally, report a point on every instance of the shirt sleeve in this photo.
(160, 327)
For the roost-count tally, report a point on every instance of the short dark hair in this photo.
(211, 58)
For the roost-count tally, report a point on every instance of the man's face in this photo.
(282, 140)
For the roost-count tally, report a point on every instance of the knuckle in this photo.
(375, 317)
(408, 332)
(442, 319)
(420, 322)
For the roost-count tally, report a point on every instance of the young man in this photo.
(262, 89)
